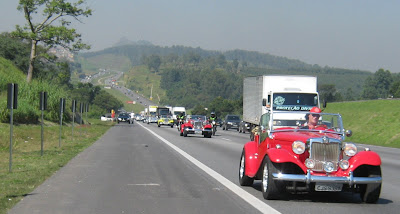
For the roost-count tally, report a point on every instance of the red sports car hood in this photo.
(302, 135)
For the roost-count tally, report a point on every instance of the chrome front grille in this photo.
(198, 125)
(324, 152)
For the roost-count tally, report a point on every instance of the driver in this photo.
(312, 118)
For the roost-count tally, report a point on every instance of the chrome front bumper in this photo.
(308, 178)
(195, 131)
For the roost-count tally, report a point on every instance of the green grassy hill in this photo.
(140, 79)
(375, 122)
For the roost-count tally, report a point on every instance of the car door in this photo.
(264, 136)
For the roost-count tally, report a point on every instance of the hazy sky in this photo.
(355, 34)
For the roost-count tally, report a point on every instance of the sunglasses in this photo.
(315, 115)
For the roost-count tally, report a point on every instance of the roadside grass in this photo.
(374, 122)
(29, 169)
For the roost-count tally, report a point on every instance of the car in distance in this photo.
(124, 117)
(196, 124)
(231, 122)
(106, 117)
(219, 122)
(165, 120)
(288, 156)
(244, 127)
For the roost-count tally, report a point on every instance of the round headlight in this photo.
(298, 147)
(310, 163)
(344, 164)
(329, 167)
(350, 149)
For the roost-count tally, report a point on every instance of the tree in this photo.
(327, 92)
(349, 95)
(378, 85)
(54, 29)
(395, 89)
(153, 62)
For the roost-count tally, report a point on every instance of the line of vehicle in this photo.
(253, 201)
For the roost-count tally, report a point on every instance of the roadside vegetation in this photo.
(374, 122)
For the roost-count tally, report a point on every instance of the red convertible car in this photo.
(287, 155)
(196, 124)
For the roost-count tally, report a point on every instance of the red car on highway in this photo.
(288, 156)
(196, 124)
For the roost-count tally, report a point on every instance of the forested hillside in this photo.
(196, 77)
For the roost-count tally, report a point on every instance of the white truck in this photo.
(176, 111)
(262, 94)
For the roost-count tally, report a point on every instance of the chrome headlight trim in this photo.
(298, 147)
(350, 149)
(344, 164)
(310, 163)
(329, 167)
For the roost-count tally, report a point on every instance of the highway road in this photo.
(142, 168)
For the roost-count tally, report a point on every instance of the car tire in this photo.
(223, 127)
(244, 180)
(181, 133)
(159, 125)
(370, 193)
(269, 187)
(185, 133)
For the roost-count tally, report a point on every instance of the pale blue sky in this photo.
(355, 34)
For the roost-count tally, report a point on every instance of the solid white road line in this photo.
(255, 202)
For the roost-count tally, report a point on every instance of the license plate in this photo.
(328, 187)
(197, 132)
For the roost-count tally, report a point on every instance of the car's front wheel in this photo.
(185, 133)
(270, 188)
(370, 192)
(244, 180)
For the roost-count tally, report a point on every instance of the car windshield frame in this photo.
(276, 123)
(197, 117)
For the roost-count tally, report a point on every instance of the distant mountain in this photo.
(251, 63)
(125, 41)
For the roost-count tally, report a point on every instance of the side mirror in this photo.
(348, 133)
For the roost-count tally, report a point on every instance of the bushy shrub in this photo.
(28, 97)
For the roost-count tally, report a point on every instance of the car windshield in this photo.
(328, 122)
(234, 117)
(123, 115)
(198, 117)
